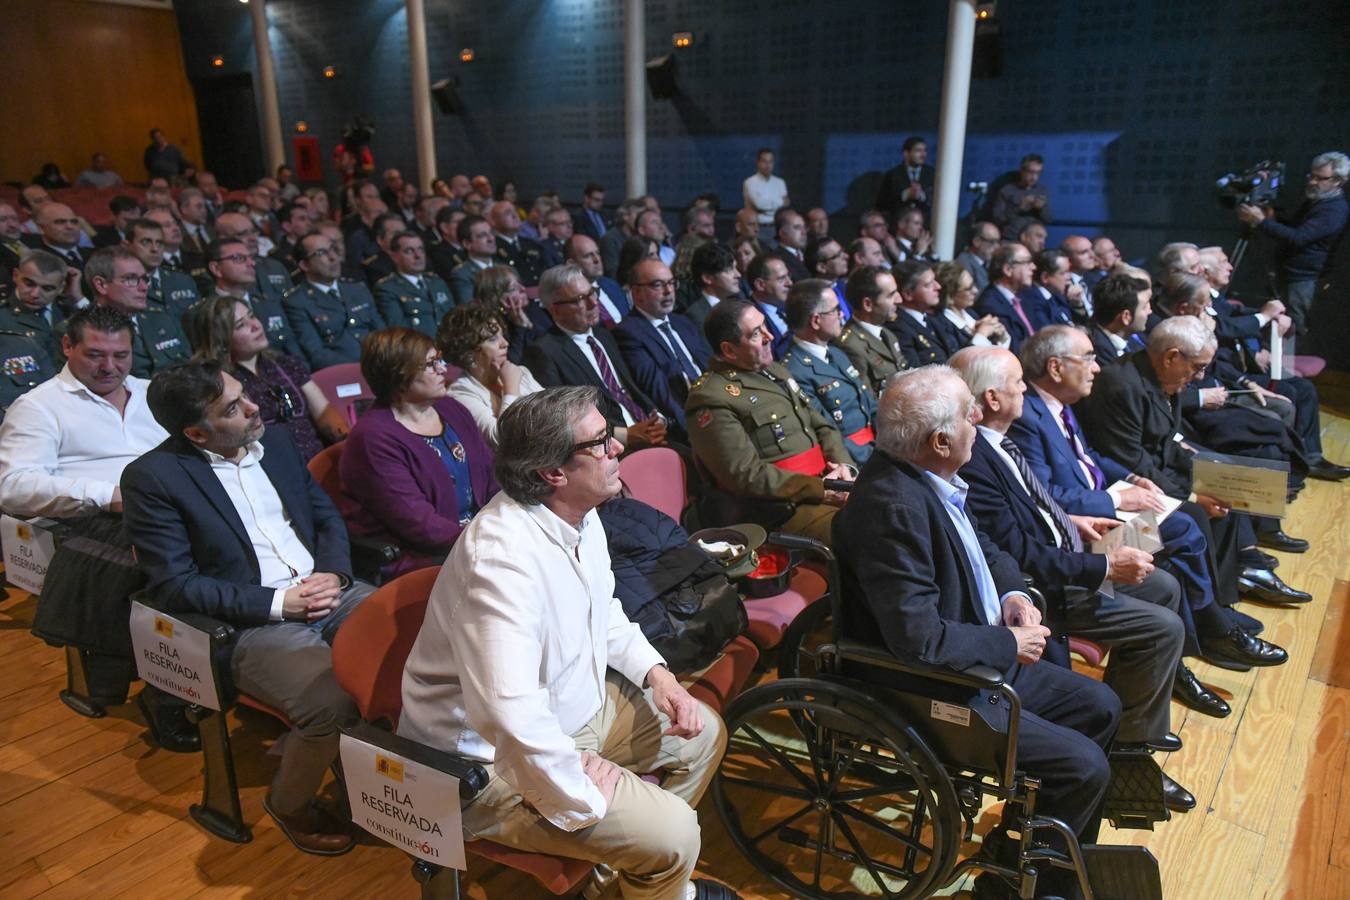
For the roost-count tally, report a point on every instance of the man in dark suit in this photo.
(922, 340)
(1053, 299)
(125, 210)
(1130, 416)
(11, 245)
(226, 521)
(59, 233)
(522, 254)
(769, 283)
(575, 352)
(590, 219)
(909, 184)
(582, 252)
(1121, 306)
(790, 234)
(1010, 273)
(918, 574)
(713, 269)
(664, 350)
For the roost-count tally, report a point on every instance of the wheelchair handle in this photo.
(838, 484)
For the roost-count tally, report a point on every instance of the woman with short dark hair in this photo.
(473, 337)
(415, 468)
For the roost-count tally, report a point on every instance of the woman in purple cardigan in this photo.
(415, 468)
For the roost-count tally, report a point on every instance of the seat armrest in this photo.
(223, 636)
(374, 548)
(805, 545)
(977, 676)
(473, 778)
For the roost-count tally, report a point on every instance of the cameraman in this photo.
(1305, 240)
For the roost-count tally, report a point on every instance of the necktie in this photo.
(605, 317)
(691, 371)
(1070, 426)
(612, 383)
(1017, 308)
(1068, 534)
(73, 257)
(1134, 343)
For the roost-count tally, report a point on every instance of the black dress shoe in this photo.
(1249, 624)
(1252, 558)
(706, 889)
(167, 721)
(1176, 797)
(1328, 471)
(1266, 586)
(1168, 743)
(1238, 650)
(1278, 540)
(1187, 689)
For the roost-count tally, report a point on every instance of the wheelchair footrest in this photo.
(1135, 797)
(1122, 872)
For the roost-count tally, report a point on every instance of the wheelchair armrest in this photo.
(804, 544)
(838, 484)
(976, 676)
(1037, 598)
(473, 778)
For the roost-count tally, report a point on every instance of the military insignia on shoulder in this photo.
(733, 389)
(923, 340)
(848, 333)
(839, 415)
(792, 383)
(852, 372)
(704, 418)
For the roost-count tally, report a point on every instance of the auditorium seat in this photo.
(344, 388)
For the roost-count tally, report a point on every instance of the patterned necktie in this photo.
(611, 382)
(1021, 314)
(691, 371)
(1098, 479)
(1068, 534)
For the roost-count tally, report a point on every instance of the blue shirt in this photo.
(456, 461)
(953, 496)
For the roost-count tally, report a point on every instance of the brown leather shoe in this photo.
(309, 834)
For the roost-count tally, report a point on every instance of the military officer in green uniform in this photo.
(412, 296)
(117, 279)
(30, 308)
(825, 374)
(233, 272)
(169, 290)
(330, 316)
(755, 431)
(23, 366)
(872, 348)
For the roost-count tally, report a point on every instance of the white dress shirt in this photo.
(510, 662)
(816, 350)
(873, 330)
(584, 345)
(63, 447)
(480, 403)
(615, 314)
(283, 559)
(966, 322)
(995, 441)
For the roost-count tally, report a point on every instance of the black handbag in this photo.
(704, 612)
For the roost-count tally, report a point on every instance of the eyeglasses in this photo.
(286, 406)
(830, 258)
(1020, 262)
(598, 448)
(835, 310)
(330, 250)
(659, 284)
(236, 258)
(435, 365)
(1086, 359)
(591, 296)
(132, 280)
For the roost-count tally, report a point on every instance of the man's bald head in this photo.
(59, 225)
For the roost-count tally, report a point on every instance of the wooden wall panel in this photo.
(79, 76)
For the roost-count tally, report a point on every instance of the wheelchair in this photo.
(835, 787)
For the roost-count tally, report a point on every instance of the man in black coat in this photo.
(918, 574)
(226, 521)
(909, 184)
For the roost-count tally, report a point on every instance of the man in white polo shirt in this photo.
(764, 192)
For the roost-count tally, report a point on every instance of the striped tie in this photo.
(1068, 534)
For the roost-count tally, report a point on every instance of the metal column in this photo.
(635, 97)
(273, 148)
(421, 94)
(952, 125)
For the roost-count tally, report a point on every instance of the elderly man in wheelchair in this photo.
(931, 696)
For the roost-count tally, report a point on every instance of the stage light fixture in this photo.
(985, 11)
(466, 55)
(682, 39)
(217, 61)
(330, 72)
(301, 127)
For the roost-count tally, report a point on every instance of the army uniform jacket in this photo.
(330, 328)
(23, 366)
(740, 423)
(877, 358)
(175, 292)
(377, 266)
(400, 302)
(19, 319)
(838, 393)
(158, 343)
(525, 255)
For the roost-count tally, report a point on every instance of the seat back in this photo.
(372, 646)
(343, 387)
(657, 477)
(323, 468)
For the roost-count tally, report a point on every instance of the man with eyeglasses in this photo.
(29, 308)
(922, 341)
(1011, 271)
(171, 291)
(273, 278)
(584, 253)
(664, 349)
(232, 271)
(118, 280)
(830, 381)
(575, 352)
(825, 258)
(752, 426)
(873, 348)
(1304, 239)
(330, 316)
(412, 296)
(480, 246)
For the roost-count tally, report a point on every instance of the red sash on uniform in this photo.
(808, 462)
(863, 436)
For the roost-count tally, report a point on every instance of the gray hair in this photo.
(46, 263)
(1185, 333)
(552, 282)
(914, 407)
(1170, 256)
(538, 432)
(1339, 162)
(1046, 344)
(981, 368)
(1210, 256)
(1183, 287)
(102, 263)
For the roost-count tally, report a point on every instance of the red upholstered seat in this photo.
(656, 476)
(1091, 653)
(324, 469)
(770, 616)
(343, 386)
(724, 679)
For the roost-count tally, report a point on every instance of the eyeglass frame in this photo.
(602, 442)
(592, 295)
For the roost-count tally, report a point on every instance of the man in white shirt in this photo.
(226, 521)
(526, 662)
(764, 192)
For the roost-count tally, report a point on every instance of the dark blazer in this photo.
(654, 366)
(9, 261)
(1009, 515)
(614, 291)
(394, 484)
(1105, 350)
(106, 236)
(906, 577)
(991, 302)
(556, 360)
(191, 544)
(1048, 453)
(922, 344)
(781, 336)
(37, 243)
(1128, 418)
(896, 182)
(1043, 311)
(796, 266)
(582, 224)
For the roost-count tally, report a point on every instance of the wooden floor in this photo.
(91, 808)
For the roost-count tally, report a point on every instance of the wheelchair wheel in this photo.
(796, 652)
(831, 795)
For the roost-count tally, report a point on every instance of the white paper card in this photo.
(349, 390)
(412, 806)
(173, 656)
(28, 549)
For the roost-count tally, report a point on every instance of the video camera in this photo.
(1257, 185)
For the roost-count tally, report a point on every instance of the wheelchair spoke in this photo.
(842, 770)
(820, 854)
(782, 759)
(864, 793)
(780, 790)
(862, 855)
(900, 836)
(782, 823)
